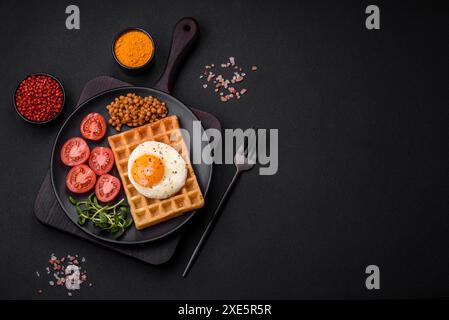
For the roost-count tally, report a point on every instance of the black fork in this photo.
(244, 160)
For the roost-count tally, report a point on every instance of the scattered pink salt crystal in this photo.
(57, 270)
(230, 83)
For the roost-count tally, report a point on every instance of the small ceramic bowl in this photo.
(128, 68)
(62, 105)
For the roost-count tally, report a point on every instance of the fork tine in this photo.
(241, 149)
(239, 156)
(246, 154)
(252, 155)
(251, 144)
(252, 149)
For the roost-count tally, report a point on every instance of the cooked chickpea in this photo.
(133, 110)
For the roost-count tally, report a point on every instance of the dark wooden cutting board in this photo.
(49, 212)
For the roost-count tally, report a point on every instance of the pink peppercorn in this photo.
(39, 98)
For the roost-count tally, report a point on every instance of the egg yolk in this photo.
(147, 170)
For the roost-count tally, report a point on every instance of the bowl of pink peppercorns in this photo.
(39, 98)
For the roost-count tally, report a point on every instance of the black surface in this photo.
(71, 128)
(363, 175)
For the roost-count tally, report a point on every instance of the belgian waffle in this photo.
(147, 212)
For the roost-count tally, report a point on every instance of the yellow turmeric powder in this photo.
(134, 48)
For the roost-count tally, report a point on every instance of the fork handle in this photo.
(210, 225)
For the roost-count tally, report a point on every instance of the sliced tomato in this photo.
(80, 179)
(93, 126)
(101, 160)
(75, 151)
(107, 188)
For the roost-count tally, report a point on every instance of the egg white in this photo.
(175, 170)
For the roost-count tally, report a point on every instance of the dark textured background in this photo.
(364, 159)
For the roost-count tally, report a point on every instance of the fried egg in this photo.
(156, 170)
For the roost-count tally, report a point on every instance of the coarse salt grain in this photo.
(225, 87)
(210, 76)
(57, 270)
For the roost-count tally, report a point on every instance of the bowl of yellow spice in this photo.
(133, 49)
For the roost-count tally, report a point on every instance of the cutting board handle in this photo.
(184, 36)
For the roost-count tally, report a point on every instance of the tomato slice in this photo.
(107, 188)
(93, 126)
(75, 151)
(80, 179)
(101, 160)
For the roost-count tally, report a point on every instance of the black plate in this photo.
(71, 128)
